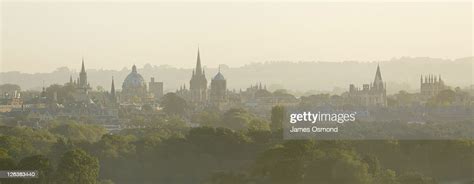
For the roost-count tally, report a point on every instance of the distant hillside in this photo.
(399, 73)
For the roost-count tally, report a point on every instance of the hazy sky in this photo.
(40, 37)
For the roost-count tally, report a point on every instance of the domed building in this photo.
(218, 89)
(134, 88)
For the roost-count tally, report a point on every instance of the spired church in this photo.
(134, 89)
(374, 94)
(198, 94)
(81, 86)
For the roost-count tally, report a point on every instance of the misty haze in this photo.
(236, 93)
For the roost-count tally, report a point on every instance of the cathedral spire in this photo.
(378, 76)
(198, 63)
(112, 88)
(82, 81)
(83, 69)
(378, 82)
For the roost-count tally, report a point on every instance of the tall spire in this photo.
(198, 63)
(378, 82)
(82, 81)
(378, 75)
(83, 69)
(112, 88)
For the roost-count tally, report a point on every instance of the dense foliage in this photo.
(231, 147)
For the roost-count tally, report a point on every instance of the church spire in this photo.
(83, 76)
(378, 82)
(378, 76)
(83, 69)
(198, 63)
(112, 88)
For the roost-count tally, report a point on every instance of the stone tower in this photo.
(218, 89)
(198, 83)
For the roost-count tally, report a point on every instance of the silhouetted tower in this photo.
(431, 86)
(218, 89)
(112, 91)
(378, 82)
(198, 83)
(83, 77)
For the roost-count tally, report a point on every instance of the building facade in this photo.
(431, 85)
(374, 94)
(155, 88)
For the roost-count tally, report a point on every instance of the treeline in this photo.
(168, 151)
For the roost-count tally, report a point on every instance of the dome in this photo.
(133, 80)
(219, 76)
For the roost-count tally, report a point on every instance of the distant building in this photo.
(198, 83)
(113, 94)
(81, 86)
(431, 86)
(183, 92)
(12, 102)
(374, 94)
(134, 89)
(218, 94)
(155, 88)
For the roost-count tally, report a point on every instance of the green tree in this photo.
(277, 117)
(75, 131)
(17, 147)
(307, 161)
(386, 177)
(172, 104)
(207, 118)
(6, 162)
(445, 97)
(258, 124)
(39, 163)
(77, 167)
(236, 119)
